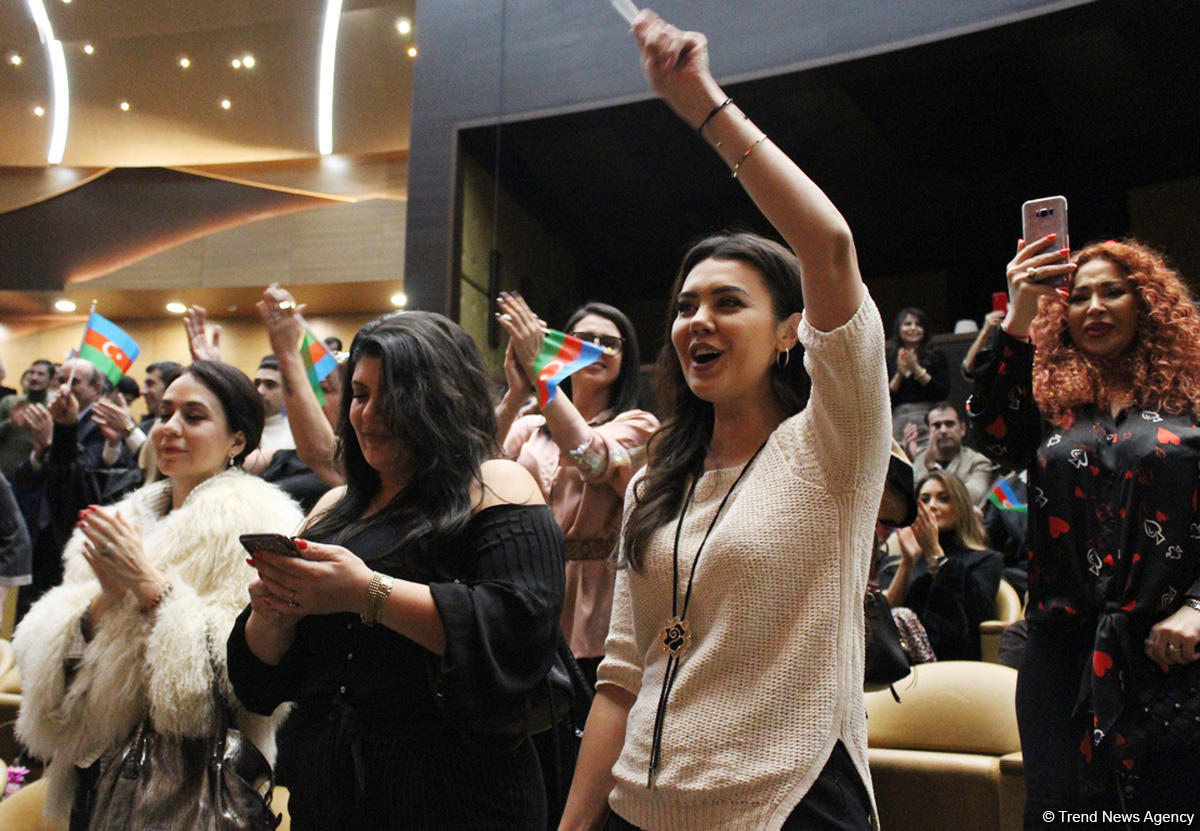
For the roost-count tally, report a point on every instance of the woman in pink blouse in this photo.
(582, 449)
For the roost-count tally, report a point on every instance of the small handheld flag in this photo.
(1005, 498)
(107, 347)
(562, 355)
(626, 9)
(317, 362)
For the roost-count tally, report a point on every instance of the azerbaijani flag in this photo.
(562, 356)
(317, 362)
(108, 348)
(1005, 498)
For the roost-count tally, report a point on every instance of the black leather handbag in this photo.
(1167, 714)
(154, 782)
(886, 661)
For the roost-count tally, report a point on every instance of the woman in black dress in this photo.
(427, 595)
(918, 374)
(946, 573)
(1093, 383)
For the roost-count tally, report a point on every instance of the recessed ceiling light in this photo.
(176, 308)
(412, 51)
(39, 111)
(248, 61)
(236, 63)
(399, 300)
(64, 305)
(184, 62)
(403, 25)
(226, 103)
(66, 2)
(88, 49)
(124, 105)
(14, 59)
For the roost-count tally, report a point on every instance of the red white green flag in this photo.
(562, 355)
(107, 347)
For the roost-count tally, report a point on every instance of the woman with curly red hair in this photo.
(1093, 383)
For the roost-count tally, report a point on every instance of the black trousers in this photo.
(837, 801)
(1047, 687)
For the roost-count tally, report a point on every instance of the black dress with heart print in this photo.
(1113, 536)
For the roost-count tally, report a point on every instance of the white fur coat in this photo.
(137, 664)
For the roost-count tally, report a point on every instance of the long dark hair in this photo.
(677, 450)
(435, 393)
(624, 393)
(894, 342)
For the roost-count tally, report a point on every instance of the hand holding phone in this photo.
(1045, 216)
(271, 543)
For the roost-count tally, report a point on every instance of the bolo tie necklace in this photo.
(676, 635)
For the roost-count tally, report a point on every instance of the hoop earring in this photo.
(787, 356)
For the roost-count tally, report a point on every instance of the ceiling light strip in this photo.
(329, 32)
(58, 75)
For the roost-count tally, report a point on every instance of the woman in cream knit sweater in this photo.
(731, 693)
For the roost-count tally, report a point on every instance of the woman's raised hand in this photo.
(676, 64)
(518, 381)
(1037, 268)
(282, 317)
(326, 579)
(910, 548)
(525, 332)
(195, 320)
(926, 531)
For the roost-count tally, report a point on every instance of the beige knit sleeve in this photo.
(848, 411)
(622, 664)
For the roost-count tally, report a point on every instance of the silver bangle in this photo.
(1193, 602)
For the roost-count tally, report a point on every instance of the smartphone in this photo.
(271, 543)
(1000, 301)
(1047, 215)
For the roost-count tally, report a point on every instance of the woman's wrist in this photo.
(151, 591)
(377, 591)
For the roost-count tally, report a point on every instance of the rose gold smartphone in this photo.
(1047, 215)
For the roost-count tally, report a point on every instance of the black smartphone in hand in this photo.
(271, 543)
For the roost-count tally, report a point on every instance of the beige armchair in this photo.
(947, 756)
(1008, 612)
(23, 810)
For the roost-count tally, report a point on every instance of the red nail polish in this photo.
(1052, 236)
(1064, 251)
(249, 562)
(301, 544)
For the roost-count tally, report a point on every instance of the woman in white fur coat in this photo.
(151, 589)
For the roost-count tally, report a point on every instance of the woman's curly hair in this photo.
(1162, 365)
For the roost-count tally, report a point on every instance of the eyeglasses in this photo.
(612, 343)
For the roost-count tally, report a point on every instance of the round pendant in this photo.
(676, 637)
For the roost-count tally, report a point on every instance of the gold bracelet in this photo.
(377, 591)
(737, 167)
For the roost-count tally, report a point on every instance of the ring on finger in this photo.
(1031, 273)
(1171, 647)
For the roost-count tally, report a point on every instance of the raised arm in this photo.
(676, 64)
(315, 439)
